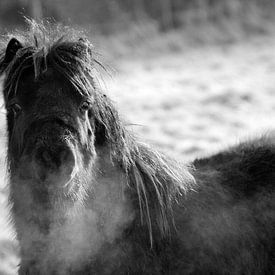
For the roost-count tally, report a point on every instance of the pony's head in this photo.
(56, 114)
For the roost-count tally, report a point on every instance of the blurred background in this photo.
(189, 76)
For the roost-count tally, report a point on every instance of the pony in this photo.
(88, 197)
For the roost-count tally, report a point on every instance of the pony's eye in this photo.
(16, 109)
(85, 106)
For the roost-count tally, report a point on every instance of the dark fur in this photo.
(220, 223)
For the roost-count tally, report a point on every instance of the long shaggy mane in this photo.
(155, 180)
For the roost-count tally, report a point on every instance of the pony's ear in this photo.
(13, 46)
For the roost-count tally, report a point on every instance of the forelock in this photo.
(61, 48)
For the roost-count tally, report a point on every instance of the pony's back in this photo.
(227, 225)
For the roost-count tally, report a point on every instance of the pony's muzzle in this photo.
(55, 163)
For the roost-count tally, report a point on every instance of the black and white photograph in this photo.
(137, 137)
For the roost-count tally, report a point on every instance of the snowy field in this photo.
(188, 104)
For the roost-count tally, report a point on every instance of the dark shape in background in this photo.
(107, 16)
(133, 27)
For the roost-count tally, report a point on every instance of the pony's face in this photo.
(51, 130)
(50, 127)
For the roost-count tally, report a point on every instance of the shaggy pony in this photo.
(89, 198)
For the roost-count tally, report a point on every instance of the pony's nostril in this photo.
(46, 157)
(66, 156)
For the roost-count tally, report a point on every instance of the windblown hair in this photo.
(156, 180)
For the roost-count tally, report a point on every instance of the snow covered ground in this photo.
(195, 102)
(188, 103)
